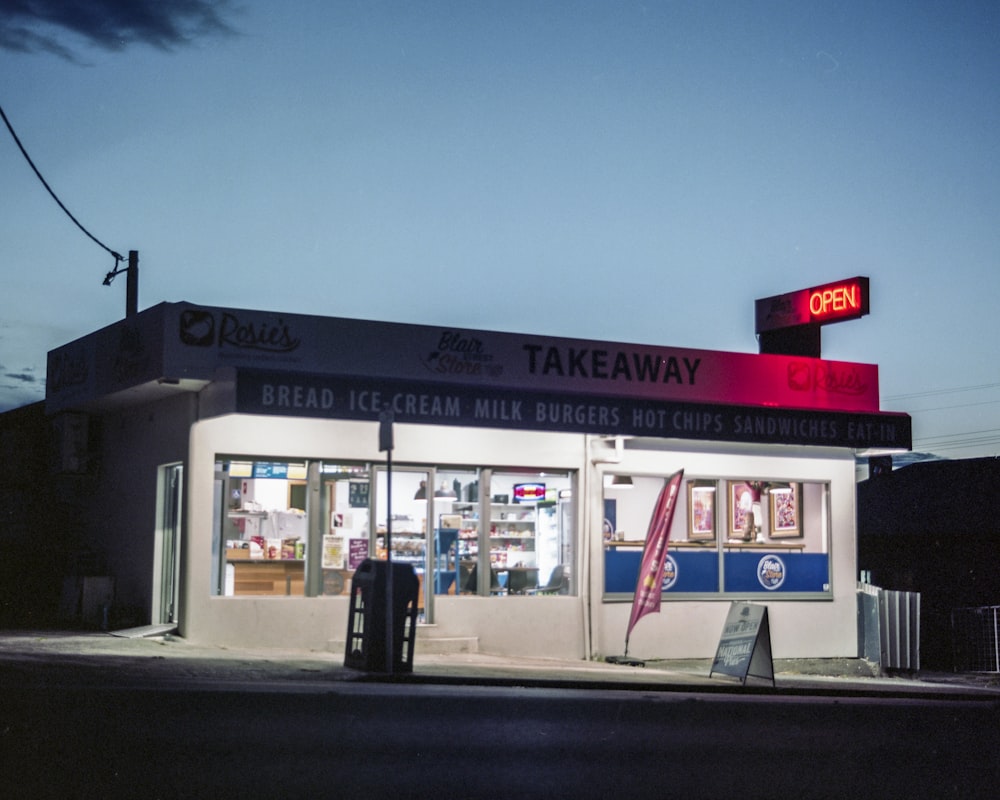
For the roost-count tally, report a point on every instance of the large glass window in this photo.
(301, 528)
(732, 536)
(261, 533)
(509, 533)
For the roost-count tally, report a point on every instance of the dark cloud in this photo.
(54, 26)
(12, 397)
(19, 388)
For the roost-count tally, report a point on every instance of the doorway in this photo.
(402, 508)
(167, 555)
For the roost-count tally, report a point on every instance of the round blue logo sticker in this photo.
(669, 573)
(771, 572)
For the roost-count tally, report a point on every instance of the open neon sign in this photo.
(831, 302)
(836, 300)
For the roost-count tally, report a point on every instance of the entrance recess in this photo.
(408, 510)
(166, 561)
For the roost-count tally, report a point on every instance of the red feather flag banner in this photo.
(648, 587)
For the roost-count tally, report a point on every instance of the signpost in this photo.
(789, 324)
(385, 443)
(745, 645)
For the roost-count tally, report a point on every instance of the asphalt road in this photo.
(318, 739)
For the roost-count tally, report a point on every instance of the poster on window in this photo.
(333, 552)
(358, 552)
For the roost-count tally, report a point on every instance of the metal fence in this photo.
(975, 639)
(889, 627)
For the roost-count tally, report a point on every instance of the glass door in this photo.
(168, 551)
(402, 515)
(345, 530)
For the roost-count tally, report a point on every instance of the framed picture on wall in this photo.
(741, 500)
(786, 511)
(701, 511)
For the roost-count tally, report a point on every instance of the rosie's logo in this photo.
(823, 377)
(67, 367)
(799, 376)
(266, 336)
(197, 328)
(839, 381)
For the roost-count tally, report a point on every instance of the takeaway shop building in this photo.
(242, 480)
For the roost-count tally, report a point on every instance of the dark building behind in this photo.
(42, 479)
(934, 527)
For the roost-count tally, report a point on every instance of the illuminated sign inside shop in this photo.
(820, 305)
(529, 492)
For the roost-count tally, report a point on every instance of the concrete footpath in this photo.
(53, 657)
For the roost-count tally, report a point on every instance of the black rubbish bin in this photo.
(366, 622)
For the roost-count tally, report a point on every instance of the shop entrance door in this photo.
(168, 537)
(410, 509)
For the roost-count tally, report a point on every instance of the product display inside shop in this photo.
(265, 533)
(515, 528)
(450, 524)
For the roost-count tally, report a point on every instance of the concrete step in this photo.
(427, 643)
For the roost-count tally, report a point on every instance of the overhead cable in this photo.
(31, 163)
(930, 392)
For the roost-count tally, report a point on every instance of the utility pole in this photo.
(132, 285)
(132, 281)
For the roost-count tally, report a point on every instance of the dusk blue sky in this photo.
(635, 172)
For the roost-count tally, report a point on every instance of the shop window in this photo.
(728, 537)
(513, 528)
(451, 524)
(261, 537)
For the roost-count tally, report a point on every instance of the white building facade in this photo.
(243, 480)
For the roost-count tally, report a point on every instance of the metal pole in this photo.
(996, 641)
(388, 563)
(386, 443)
(132, 285)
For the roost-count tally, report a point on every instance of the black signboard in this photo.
(346, 397)
(358, 494)
(745, 645)
(831, 302)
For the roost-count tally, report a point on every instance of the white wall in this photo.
(531, 626)
(552, 626)
(122, 523)
(690, 629)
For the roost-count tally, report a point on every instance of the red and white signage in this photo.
(184, 342)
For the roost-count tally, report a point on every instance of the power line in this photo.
(931, 392)
(957, 405)
(988, 442)
(49, 188)
(992, 432)
(955, 441)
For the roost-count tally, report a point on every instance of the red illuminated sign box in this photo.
(831, 302)
(529, 492)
